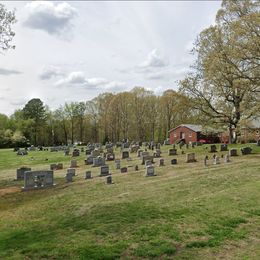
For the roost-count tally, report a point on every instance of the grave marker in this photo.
(233, 152)
(190, 157)
(20, 173)
(150, 171)
(172, 151)
(37, 179)
(88, 175)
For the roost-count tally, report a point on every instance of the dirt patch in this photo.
(9, 191)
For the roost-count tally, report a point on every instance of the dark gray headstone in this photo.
(109, 180)
(213, 148)
(104, 170)
(150, 171)
(125, 154)
(223, 147)
(190, 157)
(161, 162)
(123, 169)
(37, 179)
(246, 150)
(172, 151)
(88, 175)
(174, 161)
(233, 152)
(20, 173)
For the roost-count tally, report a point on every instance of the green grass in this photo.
(188, 211)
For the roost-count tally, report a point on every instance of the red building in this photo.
(187, 132)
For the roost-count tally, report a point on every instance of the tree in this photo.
(7, 19)
(225, 82)
(35, 111)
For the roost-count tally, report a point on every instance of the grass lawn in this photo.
(187, 211)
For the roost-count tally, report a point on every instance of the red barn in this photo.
(187, 132)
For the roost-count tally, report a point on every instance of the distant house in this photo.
(250, 132)
(187, 132)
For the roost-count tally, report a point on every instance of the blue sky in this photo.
(73, 51)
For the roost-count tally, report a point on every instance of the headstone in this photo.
(174, 161)
(145, 153)
(213, 148)
(59, 166)
(110, 150)
(161, 162)
(109, 180)
(110, 156)
(117, 163)
(123, 169)
(73, 164)
(147, 158)
(172, 151)
(75, 153)
(150, 171)
(190, 157)
(95, 153)
(98, 161)
(206, 158)
(157, 153)
(216, 160)
(20, 173)
(227, 158)
(37, 179)
(71, 171)
(22, 152)
(56, 166)
(125, 154)
(246, 150)
(69, 177)
(89, 160)
(134, 148)
(104, 170)
(88, 151)
(88, 175)
(233, 152)
(148, 163)
(223, 147)
(139, 152)
(53, 166)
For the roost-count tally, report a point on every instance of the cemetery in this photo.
(22, 179)
(130, 130)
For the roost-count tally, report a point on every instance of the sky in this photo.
(76, 50)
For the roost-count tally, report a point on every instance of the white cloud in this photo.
(74, 78)
(95, 82)
(154, 60)
(8, 72)
(78, 78)
(50, 17)
(49, 72)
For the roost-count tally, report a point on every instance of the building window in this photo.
(190, 134)
(175, 135)
(257, 132)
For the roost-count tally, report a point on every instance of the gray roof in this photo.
(195, 128)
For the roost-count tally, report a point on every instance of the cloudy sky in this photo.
(73, 51)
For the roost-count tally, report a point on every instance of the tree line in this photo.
(135, 115)
(223, 91)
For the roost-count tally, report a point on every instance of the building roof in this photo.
(195, 128)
